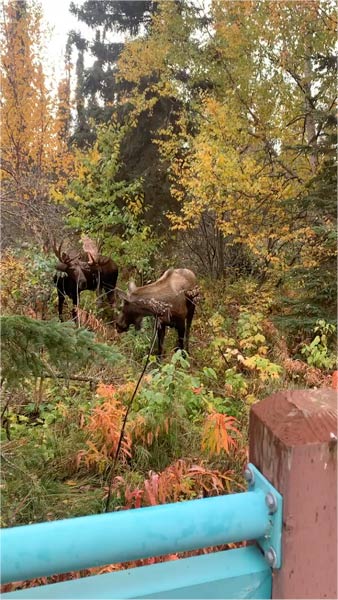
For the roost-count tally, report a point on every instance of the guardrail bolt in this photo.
(249, 475)
(271, 502)
(271, 557)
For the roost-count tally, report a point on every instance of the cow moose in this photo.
(75, 275)
(172, 299)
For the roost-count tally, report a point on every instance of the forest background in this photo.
(205, 138)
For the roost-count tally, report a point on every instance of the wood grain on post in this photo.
(293, 442)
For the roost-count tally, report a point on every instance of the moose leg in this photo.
(99, 300)
(180, 327)
(61, 301)
(160, 339)
(112, 285)
(190, 315)
(74, 313)
(75, 316)
(110, 295)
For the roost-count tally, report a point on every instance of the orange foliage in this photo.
(218, 433)
(139, 429)
(104, 429)
(88, 319)
(106, 391)
(35, 151)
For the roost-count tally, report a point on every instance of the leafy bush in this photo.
(247, 351)
(26, 282)
(317, 353)
(106, 207)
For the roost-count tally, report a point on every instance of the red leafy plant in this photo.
(182, 480)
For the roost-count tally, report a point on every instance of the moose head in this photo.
(96, 274)
(71, 265)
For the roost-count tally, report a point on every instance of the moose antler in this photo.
(57, 250)
(91, 248)
(63, 257)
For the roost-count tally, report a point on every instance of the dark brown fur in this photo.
(99, 275)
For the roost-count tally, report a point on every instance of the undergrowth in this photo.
(186, 433)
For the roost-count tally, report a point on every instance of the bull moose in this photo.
(171, 299)
(75, 275)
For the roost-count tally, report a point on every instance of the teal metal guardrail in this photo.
(44, 549)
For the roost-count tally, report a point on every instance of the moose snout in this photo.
(121, 326)
(60, 266)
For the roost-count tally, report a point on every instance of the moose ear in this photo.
(131, 287)
(121, 295)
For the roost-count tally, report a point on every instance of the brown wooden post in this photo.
(293, 442)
